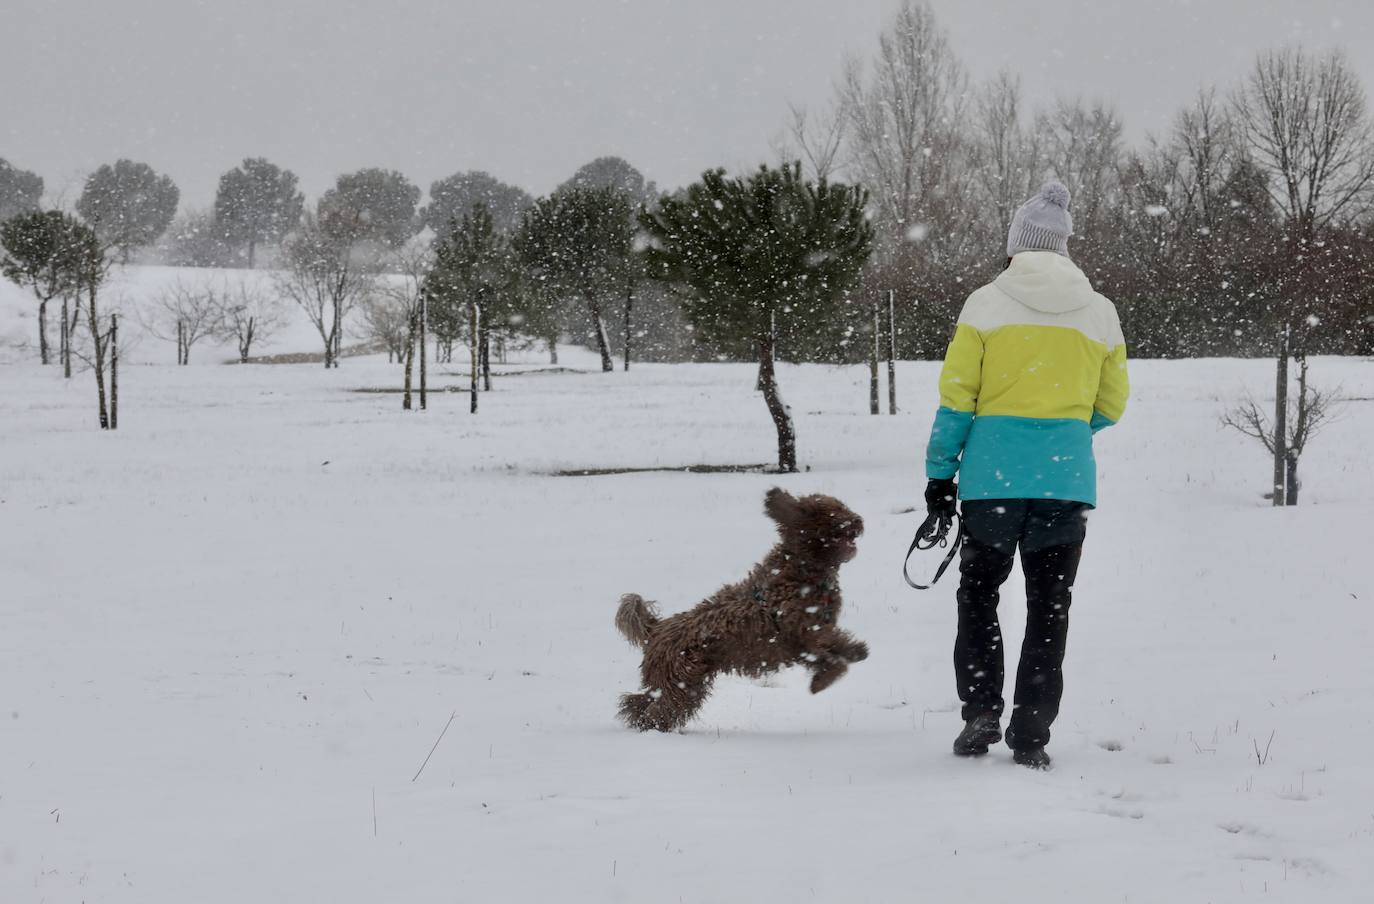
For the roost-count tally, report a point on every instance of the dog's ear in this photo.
(782, 507)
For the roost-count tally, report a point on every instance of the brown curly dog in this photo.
(782, 614)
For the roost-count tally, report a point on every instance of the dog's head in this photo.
(822, 529)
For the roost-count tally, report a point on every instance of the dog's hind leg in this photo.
(659, 710)
(634, 709)
(676, 687)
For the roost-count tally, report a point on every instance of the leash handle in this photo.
(935, 531)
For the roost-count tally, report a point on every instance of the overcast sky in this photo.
(531, 89)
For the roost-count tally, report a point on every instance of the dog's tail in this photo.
(635, 619)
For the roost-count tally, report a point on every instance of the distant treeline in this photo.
(1252, 216)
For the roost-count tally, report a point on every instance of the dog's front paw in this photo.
(827, 676)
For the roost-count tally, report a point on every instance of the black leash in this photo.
(933, 532)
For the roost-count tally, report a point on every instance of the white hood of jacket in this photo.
(1047, 282)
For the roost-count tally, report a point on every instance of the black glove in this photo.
(941, 497)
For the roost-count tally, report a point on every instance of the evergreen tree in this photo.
(579, 242)
(474, 279)
(756, 253)
(20, 190)
(257, 203)
(371, 205)
(616, 173)
(452, 198)
(128, 205)
(40, 254)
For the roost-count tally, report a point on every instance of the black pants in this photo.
(1050, 534)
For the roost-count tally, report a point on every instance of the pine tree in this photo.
(371, 205)
(128, 205)
(257, 203)
(756, 253)
(451, 198)
(578, 242)
(474, 282)
(40, 252)
(20, 190)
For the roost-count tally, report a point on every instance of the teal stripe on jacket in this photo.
(1027, 458)
(947, 437)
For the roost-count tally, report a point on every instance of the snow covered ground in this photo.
(231, 632)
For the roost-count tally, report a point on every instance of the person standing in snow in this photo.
(1036, 367)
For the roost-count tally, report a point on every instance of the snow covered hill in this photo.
(133, 292)
(232, 631)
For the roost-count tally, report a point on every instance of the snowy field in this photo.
(231, 632)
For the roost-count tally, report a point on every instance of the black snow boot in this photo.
(1032, 758)
(981, 730)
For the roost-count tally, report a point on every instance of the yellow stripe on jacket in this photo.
(1026, 383)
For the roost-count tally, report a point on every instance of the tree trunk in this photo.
(43, 331)
(777, 409)
(424, 354)
(328, 337)
(181, 341)
(99, 357)
(246, 340)
(602, 344)
(891, 352)
(336, 335)
(485, 349)
(66, 338)
(1299, 439)
(474, 327)
(114, 371)
(252, 247)
(553, 348)
(72, 326)
(411, 331)
(1281, 420)
(629, 306)
(873, 405)
(772, 331)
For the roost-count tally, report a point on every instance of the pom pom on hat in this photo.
(1056, 193)
(1043, 223)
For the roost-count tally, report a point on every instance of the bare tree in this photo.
(1304, 120)
(1007, 152)
(92, 264)
(814, 138)
(403, 290)
(186, 312)
(1314, 408)
(1207, 139)
(901, 121)
(248, 314)
(326, 279)
(385, 322)
(1082, 147)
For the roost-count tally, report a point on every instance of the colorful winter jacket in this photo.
(1036, 367)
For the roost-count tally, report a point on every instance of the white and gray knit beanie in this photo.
(1043, 223)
